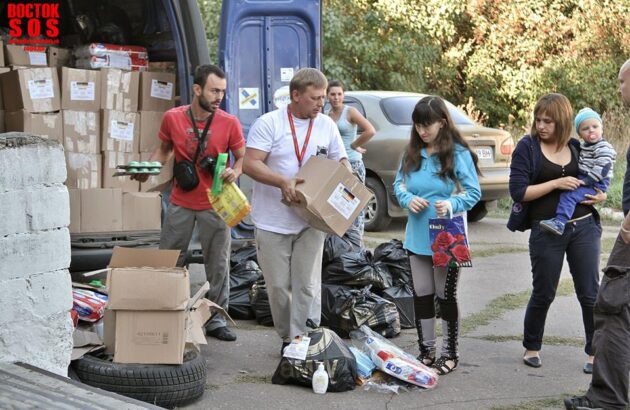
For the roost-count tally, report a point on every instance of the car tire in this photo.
(478, 212)
(163, 385)
(375, 213)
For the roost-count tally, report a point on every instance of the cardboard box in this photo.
(157, 183)
(75, 210)
(331, 196)
(59, 56)
(110, 160)
(142, 211)
(82, 131)
(80, 89)
(48, 125)
(120, 131)
(2, 62)
(26, 55)
(101, 210)
(84, 170)
(150, 122)
(119, 89)
(157, 91)
(31, 89)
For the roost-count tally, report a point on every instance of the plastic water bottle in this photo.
(320, 379)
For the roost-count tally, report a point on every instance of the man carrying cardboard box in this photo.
(290, 251)
(196, 134)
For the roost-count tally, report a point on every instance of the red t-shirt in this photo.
(225, 133)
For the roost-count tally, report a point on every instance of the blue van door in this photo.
(261, 44)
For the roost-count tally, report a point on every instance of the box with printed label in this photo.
(82, 131)
(150, 122)
(331, 197)
(31, 89)
(26, 55)
(120, 131)
(157, 91)
(84, 170)
(142, 211)
(49, 125)
(111, 159)
(119, 89)
(80, 89)
(59, 56)
(101, 210)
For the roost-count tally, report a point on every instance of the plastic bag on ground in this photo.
(365, 365)
(243, 254)
(402, 296)
(325, 346)
(89, 305)
(334, 247)
(395, 257)
(394, 361)
(357, 269)
(260, 303)
(345, 309)
(242, 277)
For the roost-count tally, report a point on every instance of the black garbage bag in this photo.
(345, 309)
(242, 277)
(402, 296)
(357, 269)
(334, 247)
(325, 346)
(395, 257)
(260, 303)
(242, 254)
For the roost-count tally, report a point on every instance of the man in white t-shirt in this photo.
(289, 250)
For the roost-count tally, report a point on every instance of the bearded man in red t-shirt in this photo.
(196, 134)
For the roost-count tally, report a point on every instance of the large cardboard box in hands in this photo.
(331, 197)
(151, 318)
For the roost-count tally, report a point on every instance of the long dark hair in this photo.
(428, 111)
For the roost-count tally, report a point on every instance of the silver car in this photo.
(390, 113)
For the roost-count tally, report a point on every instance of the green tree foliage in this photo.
(211, 15)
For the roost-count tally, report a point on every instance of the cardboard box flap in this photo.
(141, 257)
(202, 291)
(201, 312)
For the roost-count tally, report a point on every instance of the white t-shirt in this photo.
(272, 133)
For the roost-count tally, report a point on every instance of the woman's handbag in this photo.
(449, 242)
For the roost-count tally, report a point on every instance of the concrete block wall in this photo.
(35, 285)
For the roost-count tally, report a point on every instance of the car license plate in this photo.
(484, 153)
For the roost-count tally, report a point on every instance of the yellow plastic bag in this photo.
(231, 204)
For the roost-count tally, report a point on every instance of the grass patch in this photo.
(549, 403)
(496, 250)
(253, 378)
(505, 303)
(547, 340)
(211, 387)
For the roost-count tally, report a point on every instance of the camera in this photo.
(208, 164)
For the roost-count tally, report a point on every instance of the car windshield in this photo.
(398, 111)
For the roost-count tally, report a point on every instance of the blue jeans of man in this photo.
(569, 199)
(581, 243)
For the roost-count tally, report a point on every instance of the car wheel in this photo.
(163, 385)
(375, 215)
(478, 212)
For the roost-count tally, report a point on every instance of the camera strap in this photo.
(200, 138)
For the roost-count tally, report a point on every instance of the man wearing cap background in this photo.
(611, 341)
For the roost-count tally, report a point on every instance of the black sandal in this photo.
(442, 366)
(427, 359)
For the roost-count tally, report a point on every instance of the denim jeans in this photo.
(581, 243)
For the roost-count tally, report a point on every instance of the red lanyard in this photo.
(298, 154)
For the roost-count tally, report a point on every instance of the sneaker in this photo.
(579, 403)
(222, 333)
(553, 225)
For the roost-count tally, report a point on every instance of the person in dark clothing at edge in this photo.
(611, 342)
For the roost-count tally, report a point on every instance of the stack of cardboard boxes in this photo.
(103, 118)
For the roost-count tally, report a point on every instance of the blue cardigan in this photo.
(426, 184)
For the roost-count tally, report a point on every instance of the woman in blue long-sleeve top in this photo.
(437, 176)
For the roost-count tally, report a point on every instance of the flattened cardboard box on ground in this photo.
(331, 196)
(80, 89)
(150, 315)
(82, 131)
(31, 89)
(157, 91)
(48, 125)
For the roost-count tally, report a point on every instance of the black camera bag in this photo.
(185, 172)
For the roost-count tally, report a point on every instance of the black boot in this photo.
(424, 310)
